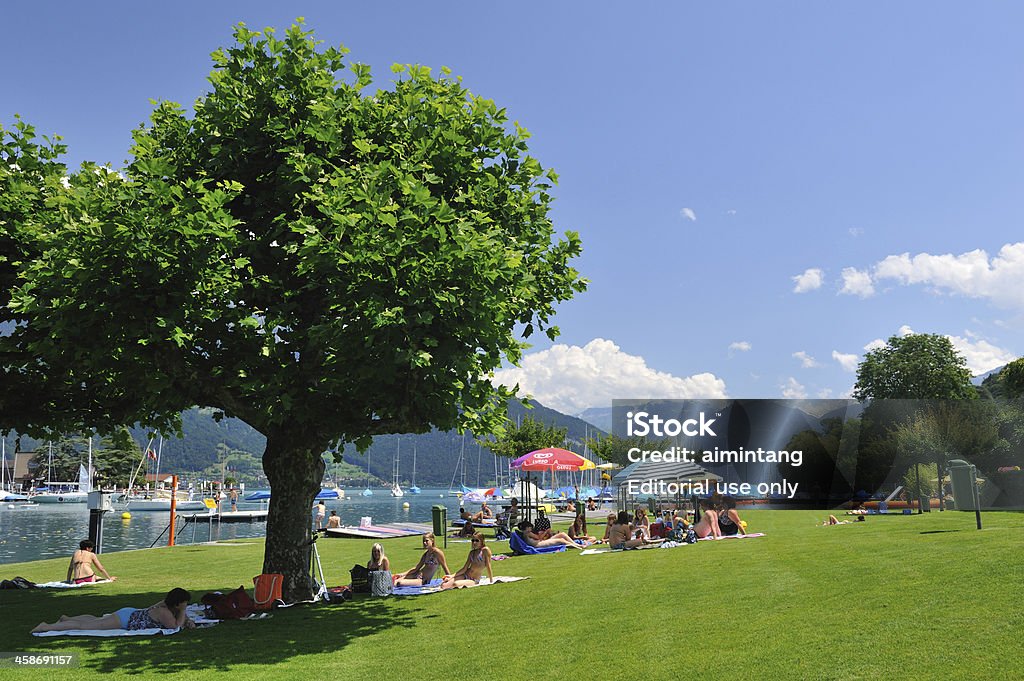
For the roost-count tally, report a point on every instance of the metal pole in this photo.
(920, 495)
(174, 508)
(976, 495)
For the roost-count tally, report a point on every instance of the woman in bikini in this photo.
(167, 614)
(477, 562)
(708, 524)
(640, 522)
(431, 559)
(537, 540)
(578, 532)
(729, 523)
(80, 571)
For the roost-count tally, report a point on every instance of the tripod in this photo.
(314, 559)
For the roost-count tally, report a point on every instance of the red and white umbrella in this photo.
(552, 459)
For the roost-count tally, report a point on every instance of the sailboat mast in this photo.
(88, 487)
(413, 464)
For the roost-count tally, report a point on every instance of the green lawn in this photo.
(919, 596)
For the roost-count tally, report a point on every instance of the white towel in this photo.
(65, 585)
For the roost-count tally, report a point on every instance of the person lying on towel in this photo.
(167, 614)
(537, 540)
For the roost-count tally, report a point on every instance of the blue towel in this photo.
(520, 547)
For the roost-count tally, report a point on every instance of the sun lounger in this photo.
(521, 548)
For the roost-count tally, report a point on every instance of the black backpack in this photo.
(17, 583)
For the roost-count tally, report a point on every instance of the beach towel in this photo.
(195, 612)
(520, 547)
(435, 585)
(65, 585)
(734, 536)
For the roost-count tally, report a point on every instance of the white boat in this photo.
(367, 492)
(69, 492)
(6, 496)
(61, 493)
(414, 489)
(164, 504)
(396, 489)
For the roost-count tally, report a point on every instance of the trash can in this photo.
(439, 514)
(963, 475)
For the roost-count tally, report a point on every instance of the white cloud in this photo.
(739, 346)
(856, 232)
(825, 394)
(874, 345)
(972, 274)
(731, 211)
(808, 281)
(792, 390)
(981, 355)
(688, 214)
(857, 283)
(570, 378)
(806, 361)
(847, 362)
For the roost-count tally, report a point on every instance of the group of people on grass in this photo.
(471, 573)
(719, 519)
(622, 531)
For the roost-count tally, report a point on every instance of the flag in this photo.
(151, 455)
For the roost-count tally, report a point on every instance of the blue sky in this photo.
(762, 189)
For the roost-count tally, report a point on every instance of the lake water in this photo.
(37, 531)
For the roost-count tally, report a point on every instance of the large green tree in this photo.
(517, 439)
(916, 366)
(323, 262)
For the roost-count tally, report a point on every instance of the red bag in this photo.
(232, 606)
(267, 590)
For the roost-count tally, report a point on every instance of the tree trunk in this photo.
(294, 471)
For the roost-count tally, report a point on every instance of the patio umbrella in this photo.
(551, 459)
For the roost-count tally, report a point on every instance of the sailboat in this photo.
(452, 492)
(69, 492)
(396, 489)
(367, 492)
(4, 494)
(414, 489)
(160, 500)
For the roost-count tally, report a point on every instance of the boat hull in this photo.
(65, 498)
(164, 505)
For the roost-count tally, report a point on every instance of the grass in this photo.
(928, 596)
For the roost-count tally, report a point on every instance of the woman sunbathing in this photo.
(608, 527)
(537, 540)
(80, 571)
(578, 532)
(378, 561)
(640, 522)
(729, 522)
(431, 559)
(708, 524)
(167, 614)
(477, 562)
